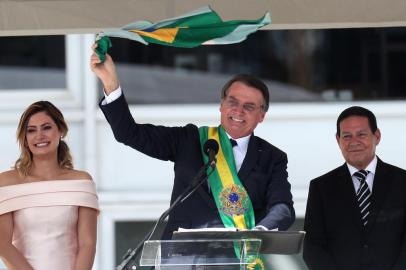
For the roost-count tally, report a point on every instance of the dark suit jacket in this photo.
(263, 172)
(336, 239)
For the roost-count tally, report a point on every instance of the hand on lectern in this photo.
(260, 228)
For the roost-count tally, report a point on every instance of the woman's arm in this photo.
(13, 259)
(87, 235)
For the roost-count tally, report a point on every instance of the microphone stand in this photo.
(197, 181)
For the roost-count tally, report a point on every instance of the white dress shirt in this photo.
(240, 150)
(371, 168)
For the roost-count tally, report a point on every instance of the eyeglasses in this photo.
(235, 104)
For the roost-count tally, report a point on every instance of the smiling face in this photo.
(241, 110)
(42, 135)
(357, 141)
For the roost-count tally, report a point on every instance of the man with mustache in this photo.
(356, 214)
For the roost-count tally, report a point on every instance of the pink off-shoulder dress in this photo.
(45, 217)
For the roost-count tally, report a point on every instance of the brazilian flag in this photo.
(201, 27)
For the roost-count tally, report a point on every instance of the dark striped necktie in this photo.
(363, 195)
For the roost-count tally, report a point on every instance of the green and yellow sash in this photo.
(232, 200)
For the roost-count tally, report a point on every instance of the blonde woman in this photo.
(48, 210)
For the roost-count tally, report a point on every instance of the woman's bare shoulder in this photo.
(10, 177)
(77, 175)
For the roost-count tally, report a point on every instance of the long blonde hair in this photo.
(25, 162)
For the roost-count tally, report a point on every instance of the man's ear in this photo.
(262, 117)
(377, 135)
(221, 105)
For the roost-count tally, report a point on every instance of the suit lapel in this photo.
(246, 167)
(207, 196)
(249, 162)
(349, 196)
(382, 181)
(203, 191)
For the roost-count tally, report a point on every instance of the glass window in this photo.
(298, 65)
(35, 62)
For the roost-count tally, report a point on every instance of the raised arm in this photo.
(10, 255)
(105, 71)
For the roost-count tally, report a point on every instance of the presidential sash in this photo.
(231, 198)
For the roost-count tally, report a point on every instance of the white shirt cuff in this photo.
(112, 96)
(260, 228)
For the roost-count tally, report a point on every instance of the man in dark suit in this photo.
(261, 166)
(356, 214)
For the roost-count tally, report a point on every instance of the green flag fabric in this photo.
(201, 27)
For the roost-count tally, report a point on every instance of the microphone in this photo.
(210, 148)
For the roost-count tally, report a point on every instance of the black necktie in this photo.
(363, 195)
(233, 142)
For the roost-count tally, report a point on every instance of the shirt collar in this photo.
(370, 168)
(242, 143)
